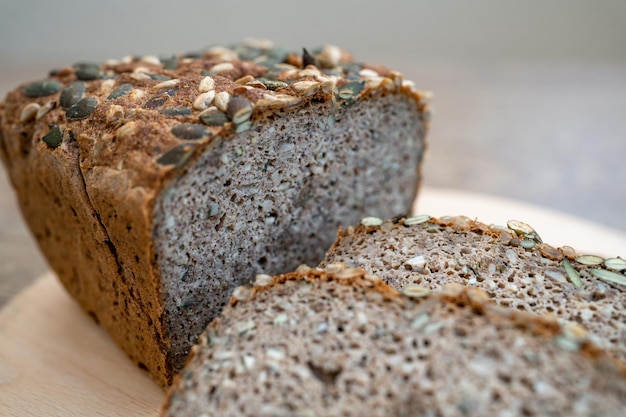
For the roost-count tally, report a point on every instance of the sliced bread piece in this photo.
(154, 186)
(511, 264)
(340, 342)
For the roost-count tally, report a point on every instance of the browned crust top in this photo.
(149, 116)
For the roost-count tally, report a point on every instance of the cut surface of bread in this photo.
(340, 342)
(511, 264)
(154, 186)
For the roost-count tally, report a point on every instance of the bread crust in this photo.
(88, 194)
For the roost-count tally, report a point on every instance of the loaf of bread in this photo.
(511, 264)
(340, 342)
(154, 186)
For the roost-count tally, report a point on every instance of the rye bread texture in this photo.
(511, 264)
(340, 342)
(154, 186)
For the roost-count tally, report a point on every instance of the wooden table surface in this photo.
(548, 134)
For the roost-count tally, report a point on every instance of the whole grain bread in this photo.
(154, 186)
(421, 254)
(340, 342)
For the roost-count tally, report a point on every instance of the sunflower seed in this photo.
(204, 100)
(308, 88)
(617, 264)
(416, 291)
(54, 137)
(271, 84)
(549, 252)
(213, 117)
(87, 71)
(416, 262)
(190, 131)
(415, 220)
(82, 109)
(568, 251)
(239, 109)
(368, 73)
(41, 88)
(150, 59)
(241, 293)
(139, 75)
(72, 93)
(221, 100)
(43, 110)
(371, 221)
(609, 276)
(120, 91)
(349, 273)
(167, 84)
(29, 111)
(262, 280)
(590, 260)
(222, 68)
(572, 274)
(329, 57)
(178, 155)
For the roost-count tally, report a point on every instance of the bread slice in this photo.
(156, 186)
(340, 342)
(511, 264)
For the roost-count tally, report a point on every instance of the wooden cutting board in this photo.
(54, 361)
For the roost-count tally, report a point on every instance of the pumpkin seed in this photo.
(572, 274)
(120, 91)
(178, 155)
(524, 230)
(170, 63)
(527, 244)
(158, 77)
(159, 99)
(54, 137)
(175, 111)
(72, 93)
(82, 109)
(590, 260)
(350, 90)
(213, 117)
(239, 109)
(190, 131)
(609, 276)
(41, 88)
(87, 71)
(617, 264)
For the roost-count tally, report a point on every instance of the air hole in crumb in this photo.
(141, 365)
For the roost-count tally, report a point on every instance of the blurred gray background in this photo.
(530, 96)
